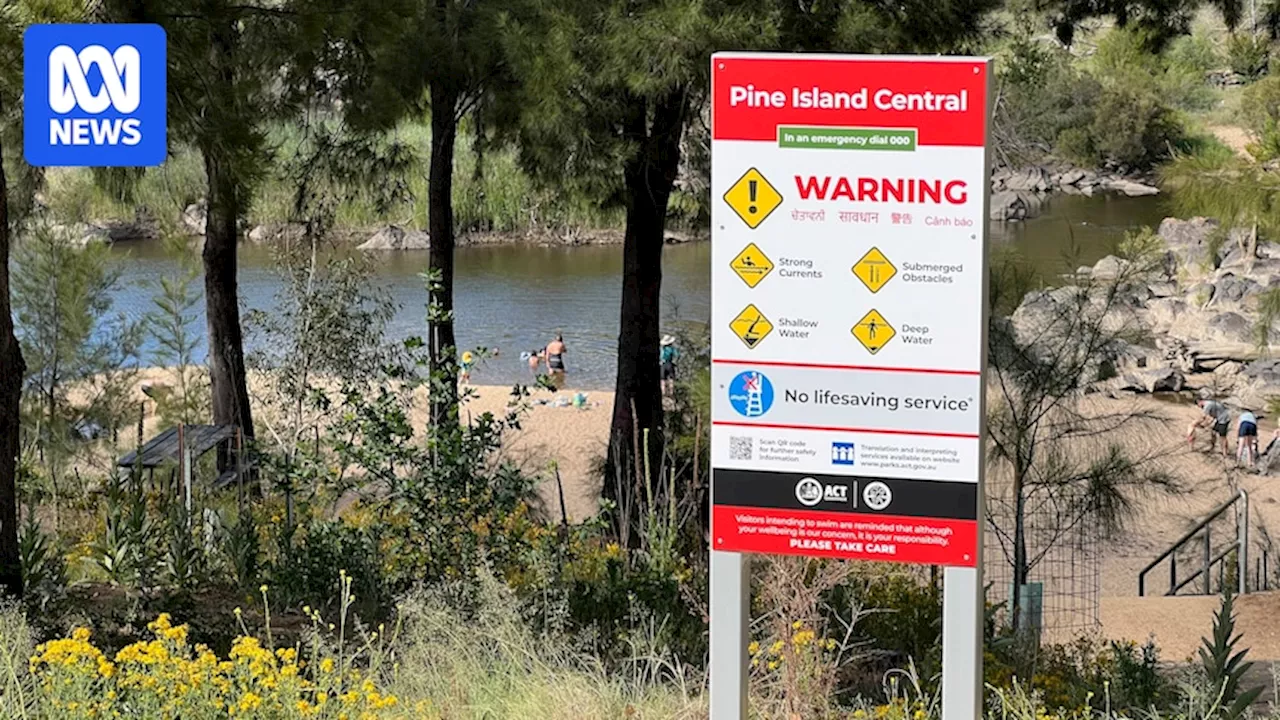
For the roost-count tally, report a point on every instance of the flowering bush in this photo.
(166, 676)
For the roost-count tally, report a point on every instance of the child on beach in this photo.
(464, 368)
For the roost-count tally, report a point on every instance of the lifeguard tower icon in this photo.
(751, 394)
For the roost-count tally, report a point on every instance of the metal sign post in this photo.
(849, 316)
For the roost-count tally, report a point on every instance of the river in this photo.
(516, 297)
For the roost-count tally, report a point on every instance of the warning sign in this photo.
(848, 422)
(751, 265)
(753, 198)
(874, 270)
(873, 331)
(751, 326)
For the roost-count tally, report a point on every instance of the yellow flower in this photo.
(753, 648)
(326, 665)
(250, 701)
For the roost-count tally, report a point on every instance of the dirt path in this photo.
(1234, 137)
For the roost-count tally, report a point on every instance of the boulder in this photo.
(80, 234)
(396, 238)
(1032, 179)
(1228, 327)
(1109, 267)
(1189, 240)
(1234, 289)
(999, 177)
(1071, 177)
(1165, 289)
(1132, 188)
(195, 218)
(1200, 294)
(260, 234)
(1008, 205)
(1163, 379)
(1162, 313)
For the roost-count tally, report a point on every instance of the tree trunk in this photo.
(637, 406)
(1020, 570)
(441, 345)
(12, 370)
(222, 305)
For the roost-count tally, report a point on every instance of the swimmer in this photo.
(555, 359)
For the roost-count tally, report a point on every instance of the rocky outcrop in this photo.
(1191, 323)
(1017, 194)
(393, 237)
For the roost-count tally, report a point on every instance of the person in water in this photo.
(667, 359)
(464, 368)
(555, 359)
(534, 359)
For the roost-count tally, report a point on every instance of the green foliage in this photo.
(1248, 55)
(170, 326)
(1118, 110)
(1122, 677)
(1133, 128)
(44, 569)
(1224, 666)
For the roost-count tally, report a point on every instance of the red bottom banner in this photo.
(847, 536)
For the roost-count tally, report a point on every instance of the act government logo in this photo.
(751, 393)
(94, 95)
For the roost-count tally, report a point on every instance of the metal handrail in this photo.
(1242, 544)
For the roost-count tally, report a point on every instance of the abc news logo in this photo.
(95, 95)
(69, 89)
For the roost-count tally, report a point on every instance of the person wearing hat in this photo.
(468, 361)
(667, 357)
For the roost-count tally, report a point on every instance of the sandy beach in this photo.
(551, 431)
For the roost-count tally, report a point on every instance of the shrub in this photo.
(1248, 55)
(1134, 128)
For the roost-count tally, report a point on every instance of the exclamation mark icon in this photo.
(751, 195)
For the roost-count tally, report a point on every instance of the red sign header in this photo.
(945, 100)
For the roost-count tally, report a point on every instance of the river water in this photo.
(516, 297)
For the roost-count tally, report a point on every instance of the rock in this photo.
(1162, 313)
(1230, 288)
(260, 234)
(1190, 240)
(195, 218)
(80, 234)
(1230, 327)
(1008, 205)
(1032, 179)
(1201, 294)
(1166, 289)
(395, 238)
(1109, 267)
(1164, 379)
(1132, 188)
(1071, 177)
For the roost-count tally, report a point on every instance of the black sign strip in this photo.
(845, 493)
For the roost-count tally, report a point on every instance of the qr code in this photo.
(740, 448)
